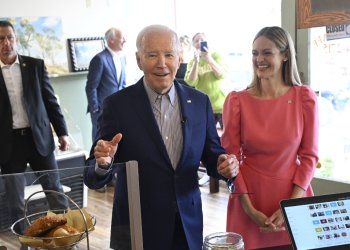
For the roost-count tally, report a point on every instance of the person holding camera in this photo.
(207, 72)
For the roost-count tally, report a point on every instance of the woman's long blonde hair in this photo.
(283, 42)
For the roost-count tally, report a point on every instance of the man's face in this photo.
(8, 45)
(159, 60)
(116, 43)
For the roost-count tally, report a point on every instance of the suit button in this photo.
(174, 203)
(176, 176)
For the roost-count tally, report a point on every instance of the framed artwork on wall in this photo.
(317, 13)
(42, 37)
(82, 50)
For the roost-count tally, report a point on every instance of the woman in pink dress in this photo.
(274, 123)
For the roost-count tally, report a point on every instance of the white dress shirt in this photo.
(117, 63)
(13, 81)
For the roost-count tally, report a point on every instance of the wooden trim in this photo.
(307, 19)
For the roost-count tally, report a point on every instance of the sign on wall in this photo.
(338, 31)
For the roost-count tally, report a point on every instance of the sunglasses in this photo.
(229, 184)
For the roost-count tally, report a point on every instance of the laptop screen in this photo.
(319, 222)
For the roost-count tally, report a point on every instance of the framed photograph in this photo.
(317, 13)
(82, 50)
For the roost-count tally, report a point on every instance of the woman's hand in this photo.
(196, 56)
(206, 55)
(254, 214)
(193, 76)
(217, 69)
(258, 217)
(274, 223)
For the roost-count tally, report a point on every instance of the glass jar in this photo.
(223, 241)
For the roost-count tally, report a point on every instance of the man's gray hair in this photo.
(155, 28)
(109, 33)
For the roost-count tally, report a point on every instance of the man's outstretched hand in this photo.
(105, 150)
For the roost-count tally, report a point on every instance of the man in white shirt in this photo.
(27, 107)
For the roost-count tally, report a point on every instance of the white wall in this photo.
(78, 19)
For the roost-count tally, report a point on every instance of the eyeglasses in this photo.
(229, 184)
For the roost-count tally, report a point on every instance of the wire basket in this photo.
(77, 237)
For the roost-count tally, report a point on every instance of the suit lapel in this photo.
(187, 109)
(3, 88)
(24, 72)
(111, 65)
(144, 110)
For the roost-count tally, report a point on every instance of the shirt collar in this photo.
(152, 96)
(112, 52)
(3, 64)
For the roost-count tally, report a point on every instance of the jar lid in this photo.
(224, 240)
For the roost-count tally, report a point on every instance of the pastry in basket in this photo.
(44, 224)
(66, 242)
(71, 230)
(64, 236)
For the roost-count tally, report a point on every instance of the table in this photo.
(285, 247)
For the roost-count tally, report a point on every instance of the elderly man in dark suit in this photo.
(106, 74)
(168, 128)
(27, 107)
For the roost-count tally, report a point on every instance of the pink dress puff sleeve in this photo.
(308, 150)
(231, 136)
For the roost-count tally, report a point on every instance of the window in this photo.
(330, 77)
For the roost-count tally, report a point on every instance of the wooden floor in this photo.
(214, 210)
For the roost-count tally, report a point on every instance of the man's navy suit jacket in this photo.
(41, 105)
(162, 189)
(102, 79)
